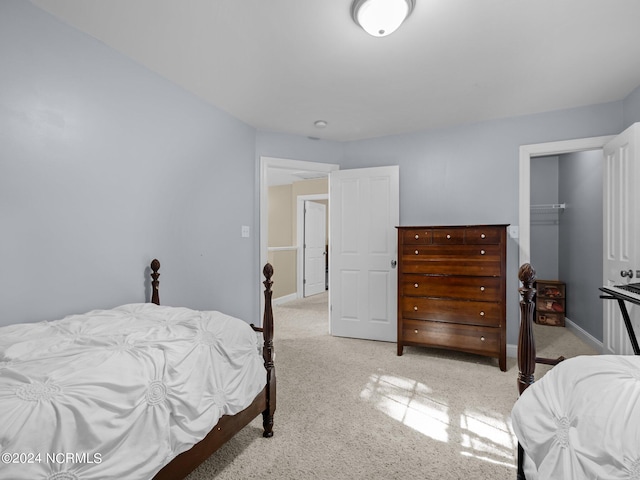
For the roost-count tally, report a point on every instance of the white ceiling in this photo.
(279, 65)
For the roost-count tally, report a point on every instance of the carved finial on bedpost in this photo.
(267, 352)
(155, 283)
(267, 271)
(526, 341)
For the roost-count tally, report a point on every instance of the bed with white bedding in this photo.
(118, 394)
(581, 420)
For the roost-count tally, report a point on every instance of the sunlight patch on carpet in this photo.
(409, 402)
(487, 437)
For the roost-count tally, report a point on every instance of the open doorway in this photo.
(284, 182)
(548, 220)
(312, 237)
(529, 152)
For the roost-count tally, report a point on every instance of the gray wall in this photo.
(581, 237)
(295, 147)
(631, 108)
(545, 230)
(104, 166)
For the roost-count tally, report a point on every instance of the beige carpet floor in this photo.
(353, 409)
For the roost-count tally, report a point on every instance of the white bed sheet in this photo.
(581, 420)
(116, 394)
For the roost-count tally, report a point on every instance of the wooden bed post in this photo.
(526, 341)
(526, 344)
(155, 295)
(267, 352)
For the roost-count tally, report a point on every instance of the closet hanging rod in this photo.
(549, 206)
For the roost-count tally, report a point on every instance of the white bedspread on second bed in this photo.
(116, 394)
(581, 420)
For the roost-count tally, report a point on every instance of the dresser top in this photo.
(453, 226)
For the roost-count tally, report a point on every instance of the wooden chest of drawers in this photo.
(451, 289)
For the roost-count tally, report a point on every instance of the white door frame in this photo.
(527, 152)
(300, 237)
(266, 164)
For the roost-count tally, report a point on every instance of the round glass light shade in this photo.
(381, 17)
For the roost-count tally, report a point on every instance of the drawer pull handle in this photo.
(482, 339)
(415, 309)
(415, 285)
(482, 289)
(448, 236)
(415, 331)
(482, 252)
(417, 236)
(417, 252)
(482, 236)
(482, 314)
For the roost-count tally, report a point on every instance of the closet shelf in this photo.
(548, 208)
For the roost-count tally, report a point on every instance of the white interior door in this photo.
(621, 233)
(315, 235)
(365, 208)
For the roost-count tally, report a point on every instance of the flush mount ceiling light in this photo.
(381, 17)
(320, 123)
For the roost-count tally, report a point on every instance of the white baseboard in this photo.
(285, 299)
(584, 335)
(512, 350)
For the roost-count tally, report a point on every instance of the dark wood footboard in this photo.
(229, 425)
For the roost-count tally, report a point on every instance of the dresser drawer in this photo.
(479, 260)
(483, 235)
(468, 288)
(459, 253)
(417, 236)
(468, 338)
(449, 236)
(471, 267)
(452, 310)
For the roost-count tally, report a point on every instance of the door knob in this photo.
(627, 273)
(393, 263)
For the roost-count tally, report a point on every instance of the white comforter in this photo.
(116, 394)
(581, 420)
